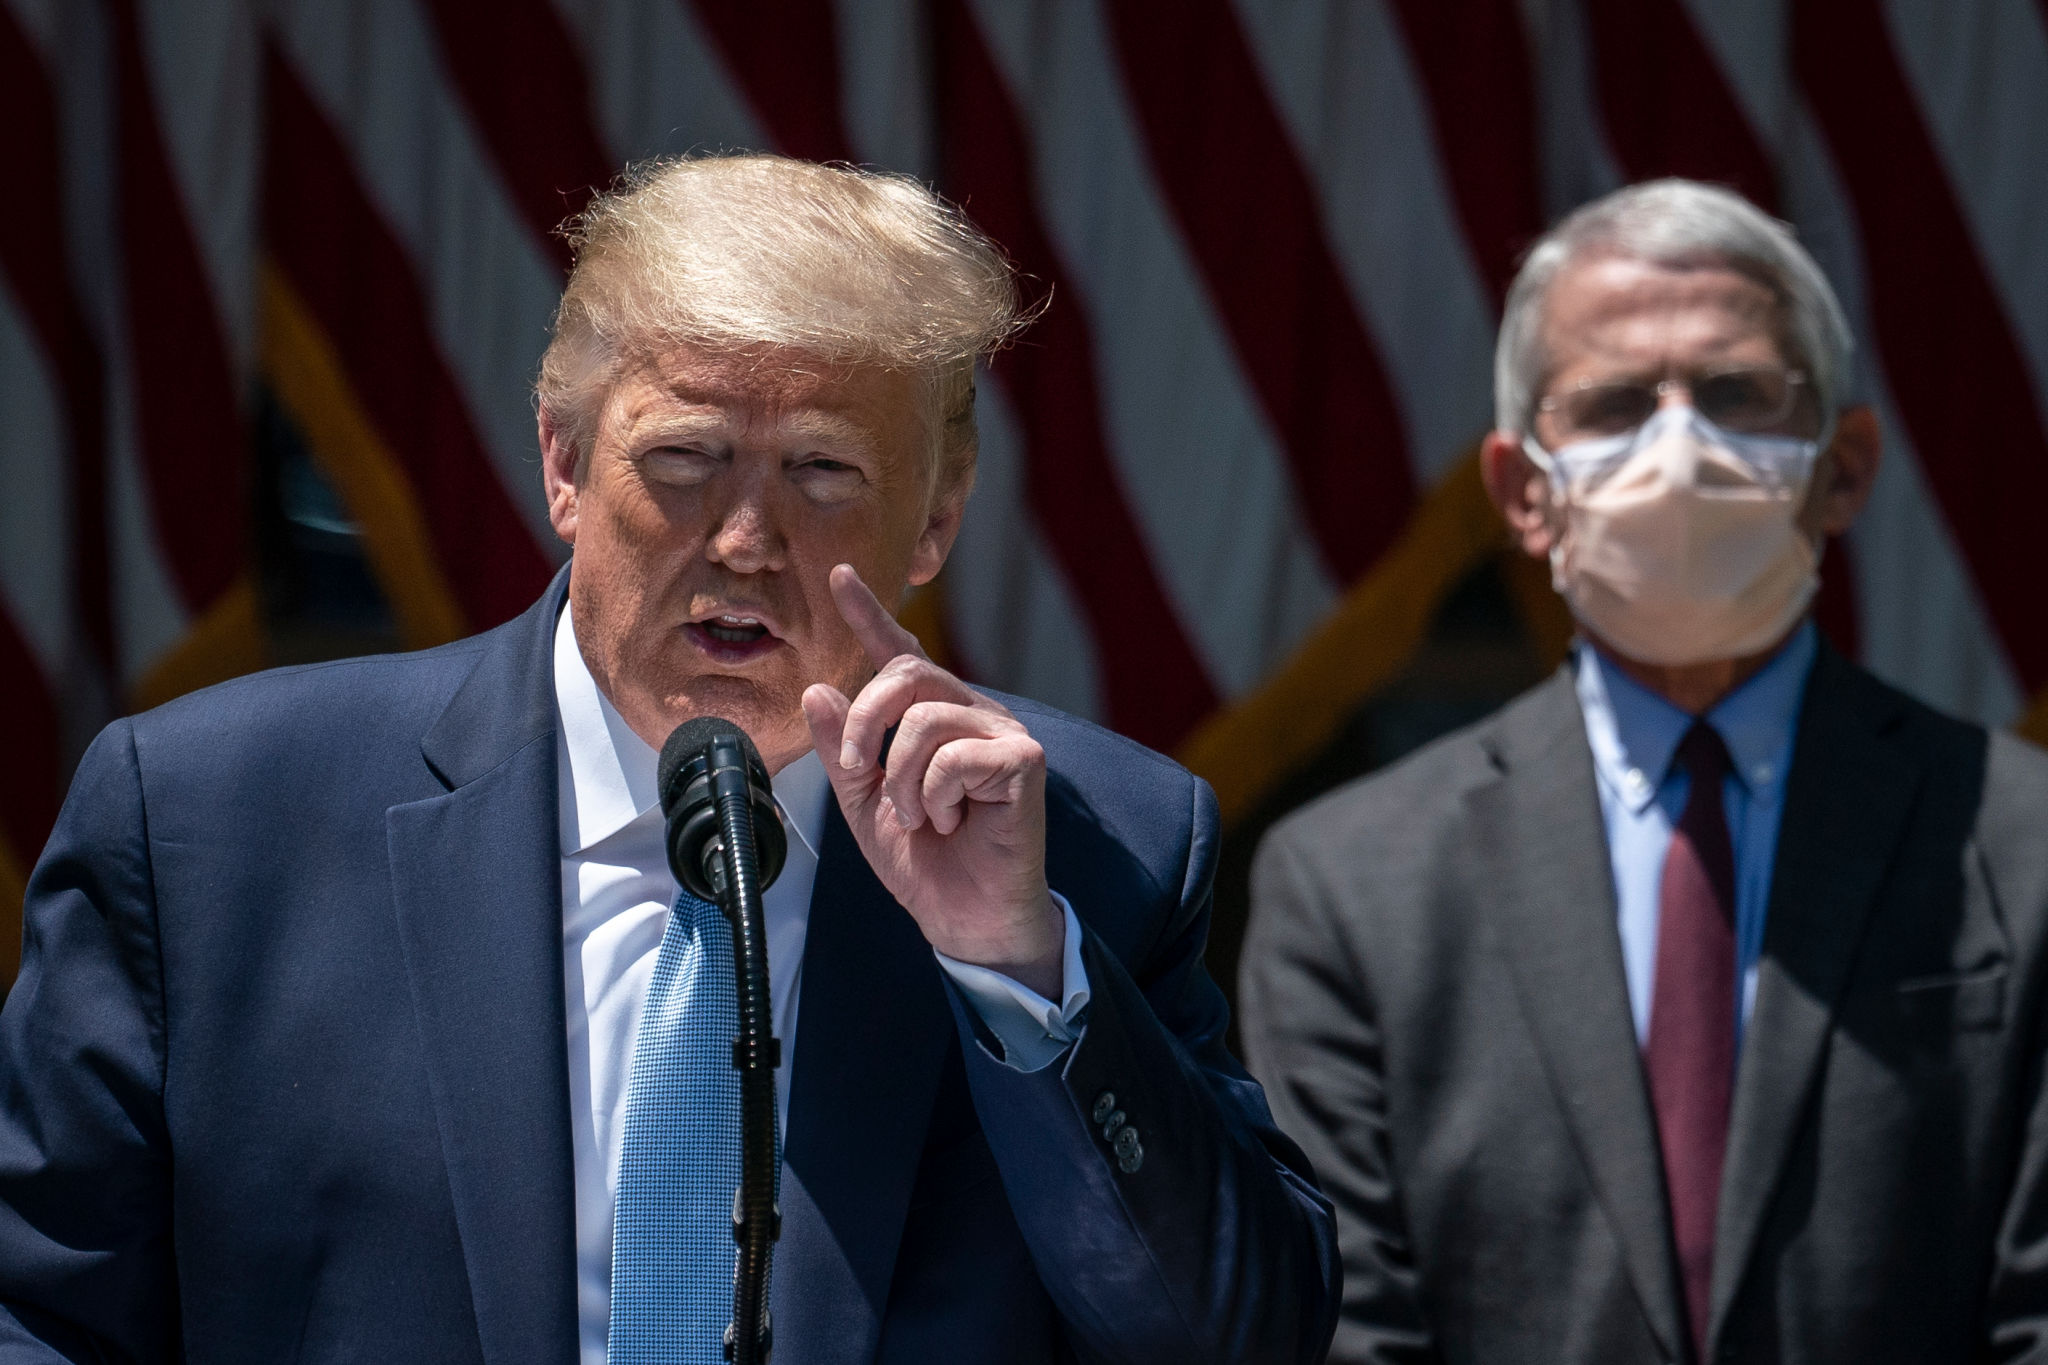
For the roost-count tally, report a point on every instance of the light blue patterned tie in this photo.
(679, 1163)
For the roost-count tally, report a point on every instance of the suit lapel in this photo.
(1540, 854)
(872, 1034)
(476, 879)
(1846, 803)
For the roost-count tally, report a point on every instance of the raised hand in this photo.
(954, 825)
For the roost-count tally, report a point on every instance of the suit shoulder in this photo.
(352, 700)
(1399, 803)
(2000, 778)
(1104, 791)
(2015, 810)
(1084, 742)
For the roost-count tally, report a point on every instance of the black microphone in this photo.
(726, 845)
(702, 759)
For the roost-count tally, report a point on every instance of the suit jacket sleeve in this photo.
(1218, 1246)
(2015, 864)
(2017, 1327)
(1309, 1029)
(85, 1208)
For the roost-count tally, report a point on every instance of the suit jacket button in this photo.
(1111, 1124)
(1127, 1141)
(1104, 1102)
(1129, 1161)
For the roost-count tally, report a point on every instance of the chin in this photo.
(769, 710)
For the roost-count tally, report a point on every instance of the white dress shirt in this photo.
(616, 894)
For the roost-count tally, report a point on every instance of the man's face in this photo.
(1609, 319)
(719, 491)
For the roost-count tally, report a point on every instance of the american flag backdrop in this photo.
(1227, 479)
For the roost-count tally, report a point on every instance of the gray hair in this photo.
(732, 252)
(1679, 223)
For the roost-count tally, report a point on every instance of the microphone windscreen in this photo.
(685, 743)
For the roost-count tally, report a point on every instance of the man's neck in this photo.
(1694, 688)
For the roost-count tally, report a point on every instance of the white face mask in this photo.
(1679, 541)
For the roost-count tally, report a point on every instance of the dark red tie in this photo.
(1690, 1056)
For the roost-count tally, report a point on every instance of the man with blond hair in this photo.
(360, 1016)
(1690, 1008)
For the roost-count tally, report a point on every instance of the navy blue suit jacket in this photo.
(284, 1078)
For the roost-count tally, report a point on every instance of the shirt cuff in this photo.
(1032, 1030)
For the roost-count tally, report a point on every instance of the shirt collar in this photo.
(607, 777)
(1634, 732)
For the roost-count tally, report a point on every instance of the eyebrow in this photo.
(813, 425)
(807, 426)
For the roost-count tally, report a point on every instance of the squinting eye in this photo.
(827, 480)
(679, 464)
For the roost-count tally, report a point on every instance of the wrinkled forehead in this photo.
(1633, 316)
(762, 389)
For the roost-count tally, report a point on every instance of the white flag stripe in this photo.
(41, 20)
(884, 50)
(659, 85)
(149, 616)
(373, 67)
(1008, 607)
(203, 59)
(75, 44)
(1980, 77)
(1923, 624)
(1199, 467)
(1340, 75)
(1750, 44)
(1577, 161)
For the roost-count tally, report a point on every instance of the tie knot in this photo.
(1702, 754)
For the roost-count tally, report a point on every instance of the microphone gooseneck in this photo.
(726, 845)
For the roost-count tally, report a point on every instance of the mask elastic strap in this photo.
(1555, 512)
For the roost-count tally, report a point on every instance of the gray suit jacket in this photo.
(1433, 995)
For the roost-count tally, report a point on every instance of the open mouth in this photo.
(732, 638)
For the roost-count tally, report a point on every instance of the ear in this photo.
(941, 529)
(1519, 489)
(1844, 474)
(558, 476)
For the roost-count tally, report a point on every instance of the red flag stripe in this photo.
(1950, 359)
(788, 62)
(189, 429)
(32, 255)
(1154, 686)
(538, 127)
(1474, 63)
(1217, 145)
(1669, 110)
(1667, 105)
(360, 287)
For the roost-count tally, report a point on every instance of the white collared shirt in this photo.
(616, 894)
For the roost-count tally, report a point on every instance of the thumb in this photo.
(825, 712)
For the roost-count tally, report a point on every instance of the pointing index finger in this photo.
(870, 621)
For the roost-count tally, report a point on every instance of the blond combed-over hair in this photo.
(743, 252)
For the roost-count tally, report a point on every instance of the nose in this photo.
(748, 536)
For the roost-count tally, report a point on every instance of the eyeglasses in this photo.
(1760, 399)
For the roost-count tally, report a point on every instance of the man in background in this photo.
(360, 1016)
(1691, 1007)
